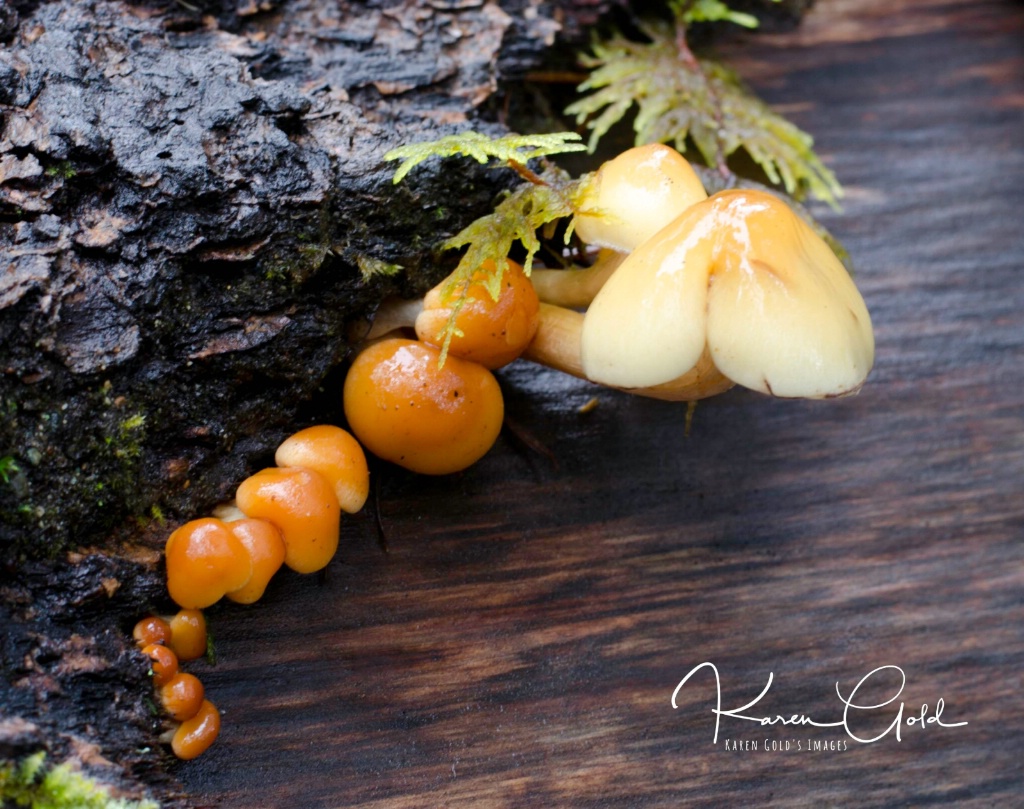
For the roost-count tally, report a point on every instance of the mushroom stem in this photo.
(393, 314)
(576, 287)
(557, 341)
(557, 345)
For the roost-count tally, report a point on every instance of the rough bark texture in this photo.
(183, 208)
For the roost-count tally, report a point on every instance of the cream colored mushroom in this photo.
(738, 281)
(618, 207)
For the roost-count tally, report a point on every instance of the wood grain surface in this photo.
(520, 642)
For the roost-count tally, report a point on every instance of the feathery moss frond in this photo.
(511, 149)
(712, 11)
(679, 98)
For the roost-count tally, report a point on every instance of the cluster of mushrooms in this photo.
(168, 642)
(286, 515)
(688, 295)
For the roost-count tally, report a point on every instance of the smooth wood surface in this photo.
(520, 643)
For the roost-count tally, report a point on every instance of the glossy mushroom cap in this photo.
(407, 410)
(188, 634)
(633, 196)
(744, 278)
(266, 549)
(151, 629)
(335, 454)
(204, 561)
(493, 331)
(163, 663)
(302, 504)
(195, 735)
(181, 696)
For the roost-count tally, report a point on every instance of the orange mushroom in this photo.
(335, 454)
(194, 736)
(406, 409)
(151, 630)
(302, 504)
(205, 561)
(266, 549)
(163, 662)
(494, 324)
(181, 696)
(188, 634)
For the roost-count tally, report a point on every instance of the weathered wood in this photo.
(520, 643)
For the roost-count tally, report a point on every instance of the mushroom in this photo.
(151, 630)
(408, 409)
(204, 561)
(181, 696)
(302, 504)
(163, 663)
(188, 634)
(738, 288)
(491, 329)
(619, 207)
(336, 455)
(266, 550)
(195, 735)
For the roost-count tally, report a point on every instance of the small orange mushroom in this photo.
(303, 505)
(407, 409)
(188, 634)
(151, 630)
(181, 696)
(205, 561)
(335, 454)
(266, 549)
(163, 662)
(194, 736)
(493, 327)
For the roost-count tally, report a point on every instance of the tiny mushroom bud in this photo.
(188, 634)
(267, 551)
(743, 278)
(302, 504)
(195, 735)
(492, 331)
(335, 454)
(163, 662)
(407, 409)
(151, 630)
(205, 561)
(181, 696)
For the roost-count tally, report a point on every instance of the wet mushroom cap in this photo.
(267, 551)
(302, 504)
(181, 696)
(744, 278)
(406, 409)
(634, 195)
(204, 561)
(188, 634)
(335, 454)
(151, 629)
(195, 735)
(163, 663)
(493, 332)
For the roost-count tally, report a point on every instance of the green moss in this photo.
(32, 783)
(63, 169)
(8, 467)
